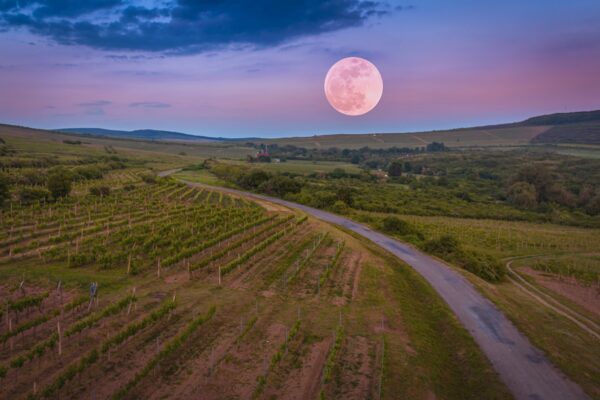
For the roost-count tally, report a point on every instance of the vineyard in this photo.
(159, 290)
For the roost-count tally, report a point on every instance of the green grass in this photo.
(437, 353)
(494, 136)
(301, 167)
(573, 350)
(200, 176)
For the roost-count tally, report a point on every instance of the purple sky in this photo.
(444, 64)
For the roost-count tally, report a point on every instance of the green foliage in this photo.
(275, 359)
(332, 356)
(59, 182)
(280, 185)
(137, 326)
(172, 346)
(254, 250)
(102, 191)
(28, 325)
(449, 249)
(568, 267)
(26, 302)
(332, 264)
(149, 178)
(71, 371)
(4, 188)
(29, 195)
(397, 226)
(247, 328)
(523, 195)
(92, 319)
(395, 168)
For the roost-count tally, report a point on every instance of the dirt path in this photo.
(525, 370)
(584, 323)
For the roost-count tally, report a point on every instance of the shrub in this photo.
(443, 246)
(4, 188)
(148, 178)
(449, 249)
(29, 195)
(395, 168)
(523, 195)
(397, 226)
(280, 185)
(100, 191)
(59, 182)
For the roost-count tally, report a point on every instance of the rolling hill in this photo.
(146, 134)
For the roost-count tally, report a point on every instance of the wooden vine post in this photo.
(59, 338)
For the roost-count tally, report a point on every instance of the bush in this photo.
(59, 182)
(87, 172)
(149, 178)
(280, 185)
(395, 168)
(29, 195)
(253, 179)
(449, 249)
(523, 195)
(396, 226)
(444, 246)
(100, 191)
(4, 188)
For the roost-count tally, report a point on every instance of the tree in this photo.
(395, 168)
(593, 206)
(539, 177)
(29, 195)
(253, 179)
(338, 173)
(435, 146)
(59, 182)
(523, 195)
(100, 191)
(280, 185)
(4, 188)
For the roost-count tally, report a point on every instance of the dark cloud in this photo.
(95, 103)
(185, 26)
(149, 104)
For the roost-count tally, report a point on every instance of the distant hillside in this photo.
(147, 134)
(575, 127)
(581, 133)
(564, 118)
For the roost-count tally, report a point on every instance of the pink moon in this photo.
(353, 86)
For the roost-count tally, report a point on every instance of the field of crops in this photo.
(160, 290)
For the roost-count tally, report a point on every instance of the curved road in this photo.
(525, 370)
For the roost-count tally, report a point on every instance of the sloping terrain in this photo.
(579, 133)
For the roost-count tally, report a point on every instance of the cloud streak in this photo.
(149, 104)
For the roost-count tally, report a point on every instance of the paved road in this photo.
(524, 369)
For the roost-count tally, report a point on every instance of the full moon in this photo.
(353, 86)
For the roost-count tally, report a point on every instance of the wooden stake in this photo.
(59, 338)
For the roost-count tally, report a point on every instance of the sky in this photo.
(256, 68)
